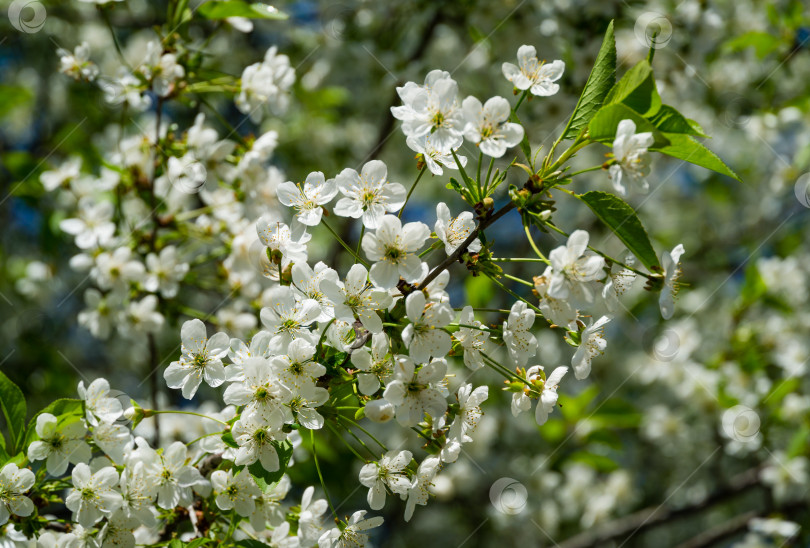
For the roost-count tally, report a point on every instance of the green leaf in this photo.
(264, 478)
(685, 147)
(175, 543)
(479, 290)
(599, 463)
(14, 409)
(250, 543)
(237, 8)
(197, 542)
(227, 437)
(623, 221)
(603, 126)
(601, 80)
(764, 43)
(669, 120)
(637, 90)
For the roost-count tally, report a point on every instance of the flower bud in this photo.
(379, 411)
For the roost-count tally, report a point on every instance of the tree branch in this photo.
(653, 516)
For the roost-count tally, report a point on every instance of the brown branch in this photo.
(642, 520)
(720, 532)
(456, 255)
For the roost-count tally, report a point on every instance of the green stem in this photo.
(520, 102)
(489, 172)
(366, 432)
(513, 294)
(360, 241)
(516, 279)
(517, 260)
(594, 168)
(192, 442)
(320, 476)
(480, 161)
(413, 187)
(347, 444)
(534, 245)
(344, 244)
(478, 327)
(175, 412)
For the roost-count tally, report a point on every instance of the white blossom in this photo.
(14, 483)
(453, 231)
(309, 199)
(390, 472)
(368, 194)
(425, 336)
(201, 359)
(488, 125)
(416, 394)
(60, 445)
(393, 249)
(538, 77)
(630, 152)
(235, 492)
(93, 495)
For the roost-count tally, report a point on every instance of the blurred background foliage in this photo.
(646, 430)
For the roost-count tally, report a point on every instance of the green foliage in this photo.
(637, 90)
(685, 147)
(600, 81)
(263, 478)
(12, 401)
(624, 223)
(237, 8)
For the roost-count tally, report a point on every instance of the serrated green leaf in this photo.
(264, 478)
(624, 223)
(237, 8)
(637, 90)
(600, 81)
(685, 147)
(603, 126)
(197, 542)
(12, 402)
(669, 120)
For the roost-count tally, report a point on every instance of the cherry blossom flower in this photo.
(174, 477)
(235, 492)
(557, 311)
(433, 156)
(375, 365)
(533, 75)
(393, 249)
(671, 263)
(93, 495)
(353, 535)
(98, 405)
(453, 231)
(389, 471)
(573, 266)
(277, 236)
(113, 439)
(201, 359)
(164, 272)
(548, 396)
(265, 85)
(296, 368)
(419, 493)
(520, 343)
(356, 298)
(592, 344)
(14, 483)
(60, 445)
(424, 336)
(369, 194)
(309, 199)
(432, 109)
(77, 64)
(469, 409)
(630, 152)
(309, 516)
(94, 226)
(307, 282)
(288, 317)
(416, 394)
(260, 391)
(268, 506)
(473, 341)
(488, 127)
